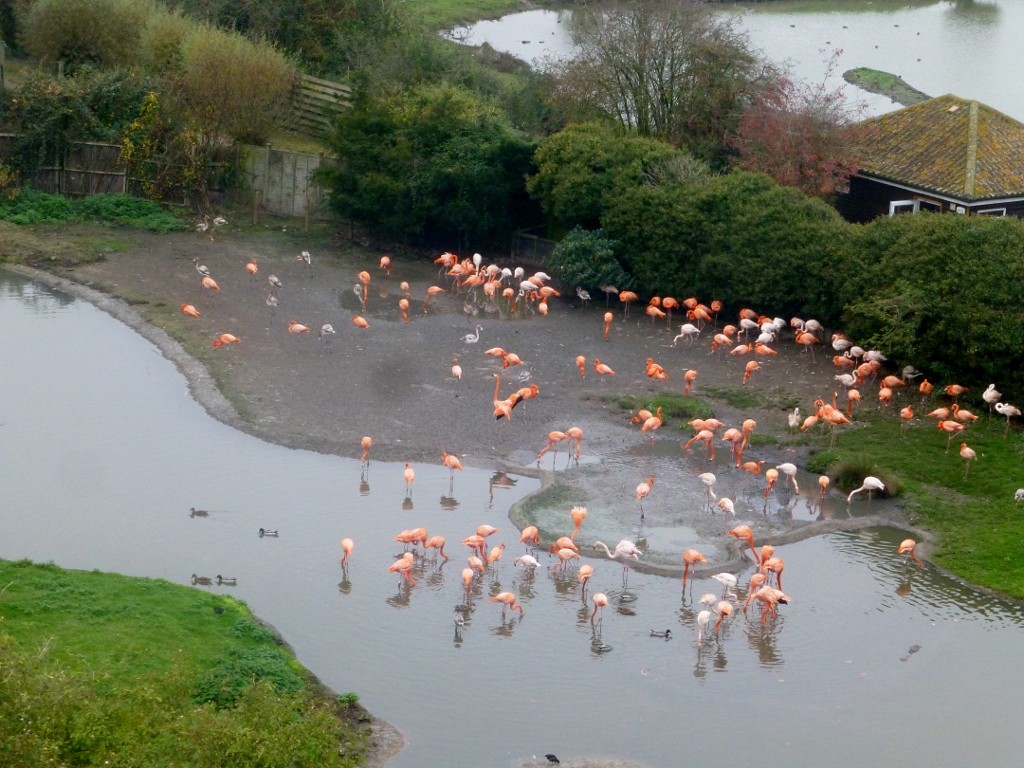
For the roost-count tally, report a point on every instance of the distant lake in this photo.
(964, 47)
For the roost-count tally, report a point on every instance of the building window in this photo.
(902, 206)
(914, 206)
(991, 212)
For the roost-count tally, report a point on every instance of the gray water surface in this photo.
(965, 47)
(873, 662)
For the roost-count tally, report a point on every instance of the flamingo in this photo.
(771, 598)
(294, 326)
(602, 369)
(691, 557)
(789, 470)
(579, 514)
(728, 582)
(723, 608)
(968, 455)
(823, 481)
(909, 547)
(385, 264)
(409, 474)
(436, 542)
(360, 322)
(432, 291)
(272, 302)
(642, 490)
(756, 582)
(689, 377)
(564, 555)
(472, 338)
(225, 338)
(991, 396)
(202, 269)
(325, 333)
(456, 369)
(366, 443)
(600, 601)
(346, 547)
(190, 310)
(404, 566)
(584, 574)
(776, 565)
(743, 533)
(581, 363)
(210, 284)
(870, 484)
(703, 619)
(608, 317)
(709, 480)
(727, 506)
(687, 331)
(528, 534)
(529, 562)
(624, 550)
(1009, 411)
(508, 601)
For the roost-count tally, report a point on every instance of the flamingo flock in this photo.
(505, 293)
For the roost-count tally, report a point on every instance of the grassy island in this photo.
(102, 669)
(885, 84)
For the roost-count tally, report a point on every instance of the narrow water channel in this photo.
(872, 663)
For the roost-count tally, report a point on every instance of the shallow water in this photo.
(964, 47)
(873, 662)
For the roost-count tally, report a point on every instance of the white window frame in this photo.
(991, 212)
(900, 206)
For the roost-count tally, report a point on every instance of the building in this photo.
(945, 154)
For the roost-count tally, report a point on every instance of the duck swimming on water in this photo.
(667, 634)
(265, 532)
(196, 579)
(230, 582)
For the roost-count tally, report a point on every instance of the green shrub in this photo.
(232, 87)
(34, 207)
(586, 258)
(223, 684)
(580, 168)
(161, 38)
(103, 32)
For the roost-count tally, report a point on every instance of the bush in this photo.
(223, 684)
(34, 207)
(102, 32)
(580, 168)
(160, 41)
(435, 166)
(942, 293)
(586, 258)
(231, 86)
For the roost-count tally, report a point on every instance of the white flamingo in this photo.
(789, 470)
(472, 338)
(689, 331)
(1007, 410)
(870, 484)
(709, 480)
(624, 550)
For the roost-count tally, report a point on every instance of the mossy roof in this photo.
(949, 145)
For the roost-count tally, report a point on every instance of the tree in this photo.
(436, 165)
(802, 135)
(580, 166)
(586, 258)
(671, 70)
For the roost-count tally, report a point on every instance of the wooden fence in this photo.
(83, 168)
(316, 102)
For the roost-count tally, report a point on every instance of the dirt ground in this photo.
(393, 381)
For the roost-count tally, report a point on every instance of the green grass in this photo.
(31, 207)
(747, 398)
(674, 408)
(885, 83)
(442, 14)
(978, 525)
(150, 673)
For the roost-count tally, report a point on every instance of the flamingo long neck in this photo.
(605, 547)
(497, 386)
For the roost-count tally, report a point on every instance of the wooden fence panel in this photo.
(316, 101)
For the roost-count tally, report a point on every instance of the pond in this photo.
(963, 47)
(873, 661)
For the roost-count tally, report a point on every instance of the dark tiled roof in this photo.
(949, 145)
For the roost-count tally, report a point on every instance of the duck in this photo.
(193, 512)
(230, 582)
(266, 532)
(666, 633)
(196, 579)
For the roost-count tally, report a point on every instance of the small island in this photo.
(885, 84)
